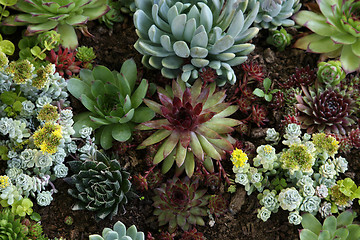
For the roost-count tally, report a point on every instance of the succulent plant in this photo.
(355, 137)
(335, 31)
(325, 110)
(279, 39)
(113, 102)
(41, 16)
(195, 124)
(100, 185)
(341, 227)
(275, 13)
(193, 235)
(10, 228)
(180, 203)
(253, 70)
(218, 205)
(303, 76)
(119, 232)
(330, 73)
(181, 37)
(117, 10)
(64, 61)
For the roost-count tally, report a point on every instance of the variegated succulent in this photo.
(182, 37)
(275, 13)
(336, 31)
(113, 102)
(63, 15)
(195, 123)
(325, 110)
(100, 185)
(180, 203)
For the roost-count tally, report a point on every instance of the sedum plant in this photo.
(182, 37)
(275, 13)
(100, 185)
(41, 16)
(180, 203)
(195, 124)
(330, 73)
(341, 227)
(10, 228)
(335, 31)
(119, 232)
(113, 102)
(328, 110)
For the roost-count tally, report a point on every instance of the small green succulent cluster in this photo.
(182, 37)
(335, 32)
(114, 104)
(119, 232)
(10, 228)
(330, 73)
(341, 227)
(180, 203)
(301, 178)
(275, 13)
(117, 10)
(100, 185)
(279, 39)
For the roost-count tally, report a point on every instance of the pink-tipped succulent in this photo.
(195, 124)
(355, 137)
(208, 75)
(180, 203)
(253, 71)
(258, 115)
(304, 76)
(218, 205)
(325, 110)
(64, 61)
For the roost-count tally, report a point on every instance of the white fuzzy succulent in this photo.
(325, 209)
(272, 135)
(305, 180)
(294, 218)
(60, 170)
(269, 200)
(327, 170)
(266, 156)
(10, 194)
(341, 165)
(292, 134)
(264, 214)
(85, 131)
(44, 198)
(242, 178)
(307, 190)
(322, 191)
(290, 199)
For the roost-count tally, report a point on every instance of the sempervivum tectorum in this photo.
(179, 203)
(194, 123)
(325, 110)
(100, 185)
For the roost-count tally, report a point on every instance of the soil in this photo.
(113, 47)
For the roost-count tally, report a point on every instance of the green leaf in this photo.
(127, 117)
(106, 137)
(258, 92)
(345, 218)
(306, 234)
(8, 2)
(189, 164)
(168, 162)
(267, 84)
(330, 224)
(139, 94)
(17, 106)
(97, 88)
(123, 85)
(325, 235)
(354, 231)
(87, 102)
(7, 47)
(311, 223)
(143, 114)
(77, 87)
(268, 97)
(8, 98)
(121, 132)
(104, 74)
(35, 216)
(82, 119)
(342, 233)
(128, 69)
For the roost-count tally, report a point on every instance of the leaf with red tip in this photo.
(207, 132)
(168, 162)
(203, 96)
(185, 138)
(177, 103)
(187, 96)
(171, 142)
(196, 146)
(154, 124)
(159, 156)
(176, 89)
(205, 117)
(208, 147)
(196, 90)
(198, 108)
(156, 137)
(215, 99)
(156, 107)
(219, 128)
(226, 121)
(165, 100)
(222, 144)
(218, 108)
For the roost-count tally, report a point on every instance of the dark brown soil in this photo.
(112, 48)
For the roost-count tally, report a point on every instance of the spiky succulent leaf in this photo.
(182, 37)
(195, 124)
(114, 102)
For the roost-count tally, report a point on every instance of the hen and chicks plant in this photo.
(335, 31)
(113, 102)
(182, 37)
(119, 232)
(195, 124)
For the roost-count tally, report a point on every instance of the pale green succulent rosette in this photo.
(42, 16)
(182, 37)
(336, 31)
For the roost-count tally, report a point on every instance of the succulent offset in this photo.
(100, 185)
(179, 203)
(113, 102)
(335, 31)
(275, 13)
(41, 16)
(119, 232)
(182, 37)
(325, 110)
(195, 124)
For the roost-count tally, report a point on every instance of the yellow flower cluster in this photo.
(21, 71)
(238, 158)
(48, 137)
(326, 143)
(4, 182)
(48, 113)
(268, 149)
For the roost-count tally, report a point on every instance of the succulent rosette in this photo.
(195, 123)
(330, 73)
(336, 31)
(64, 15)
(179, 203)
(325, 110)
(181, 37)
